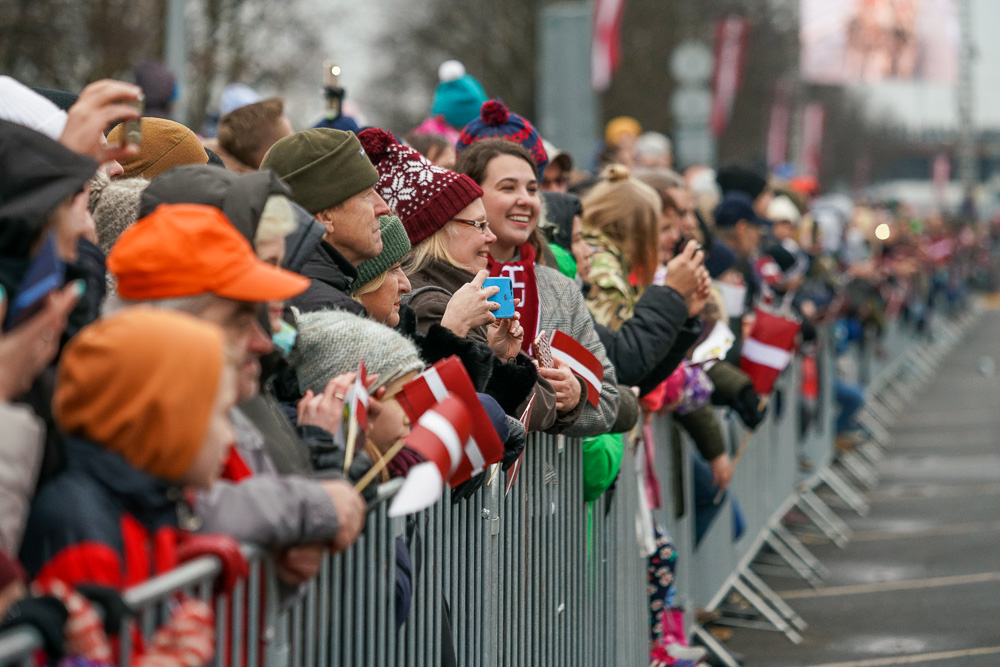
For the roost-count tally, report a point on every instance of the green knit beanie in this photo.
(323, 167)
(332, 342)
(395, 245)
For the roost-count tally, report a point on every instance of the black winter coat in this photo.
(651, 344)
(331, 275)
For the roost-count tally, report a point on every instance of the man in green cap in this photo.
(331, 177)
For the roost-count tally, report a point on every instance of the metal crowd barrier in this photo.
(540, 577)
(537, 578)
(769, 483)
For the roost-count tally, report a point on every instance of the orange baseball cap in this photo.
(189, 249)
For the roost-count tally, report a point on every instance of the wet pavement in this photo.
(919, 583)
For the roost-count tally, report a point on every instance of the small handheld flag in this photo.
(581, 361)
(357, 412)
(437, 437)
(483, 446)
(515, 469)
(768, 350)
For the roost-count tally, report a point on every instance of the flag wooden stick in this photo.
(743, 446)
(379, 465)
(496, 469)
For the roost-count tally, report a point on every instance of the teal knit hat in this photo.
(332, 342)
(458, 96)
(395, 245)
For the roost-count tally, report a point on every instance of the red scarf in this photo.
(522, 275)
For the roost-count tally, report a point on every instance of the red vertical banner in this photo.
(606, 42)
(731, 33)
(940, 175)
(813, 124)
(777, 127)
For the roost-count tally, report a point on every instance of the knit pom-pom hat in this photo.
(332, 342)
(424, 195)
(458, 95)
(496, 121)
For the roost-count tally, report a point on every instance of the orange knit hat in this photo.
(142, 383)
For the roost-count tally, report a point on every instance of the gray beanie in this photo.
(332, 342)
(114, 206)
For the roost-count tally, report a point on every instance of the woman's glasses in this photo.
(481, 225)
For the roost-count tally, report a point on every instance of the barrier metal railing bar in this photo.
(539, 577)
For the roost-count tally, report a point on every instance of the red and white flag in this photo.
(515, 469)
(606, 42)
(731, 33)
(483, 446)
(581, 361)
(768, 349)
(437, 436)
(358, 403)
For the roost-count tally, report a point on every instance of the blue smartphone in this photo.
(46, 273)
(505, 297)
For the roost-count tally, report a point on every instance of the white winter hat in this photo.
(783, 209)
(20, 104)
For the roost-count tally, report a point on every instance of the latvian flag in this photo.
(581, 361)
(768, 350)
(515, 469)
(359, 397)
(437, 436)
(483, 446)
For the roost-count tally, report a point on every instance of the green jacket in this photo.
(602, 457)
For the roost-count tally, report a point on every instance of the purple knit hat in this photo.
(496, 121)
(423, 195)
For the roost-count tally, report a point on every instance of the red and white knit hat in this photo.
(423, 195)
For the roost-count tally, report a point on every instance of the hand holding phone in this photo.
(505, 297)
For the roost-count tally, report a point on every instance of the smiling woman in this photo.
(448, 225)
(549, 301)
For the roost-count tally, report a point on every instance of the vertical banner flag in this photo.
(940, 175)
(605, 45)
(437, 436)
(768, 349)
(581, 361)
(731, 33)
(813, 124)
(777, 127)
(483, 445)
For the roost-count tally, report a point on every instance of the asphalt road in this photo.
(919, 583)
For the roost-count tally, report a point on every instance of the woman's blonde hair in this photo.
(627, 211)
(373, 284)
(433, 247)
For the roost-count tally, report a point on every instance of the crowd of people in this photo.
(184, 319)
